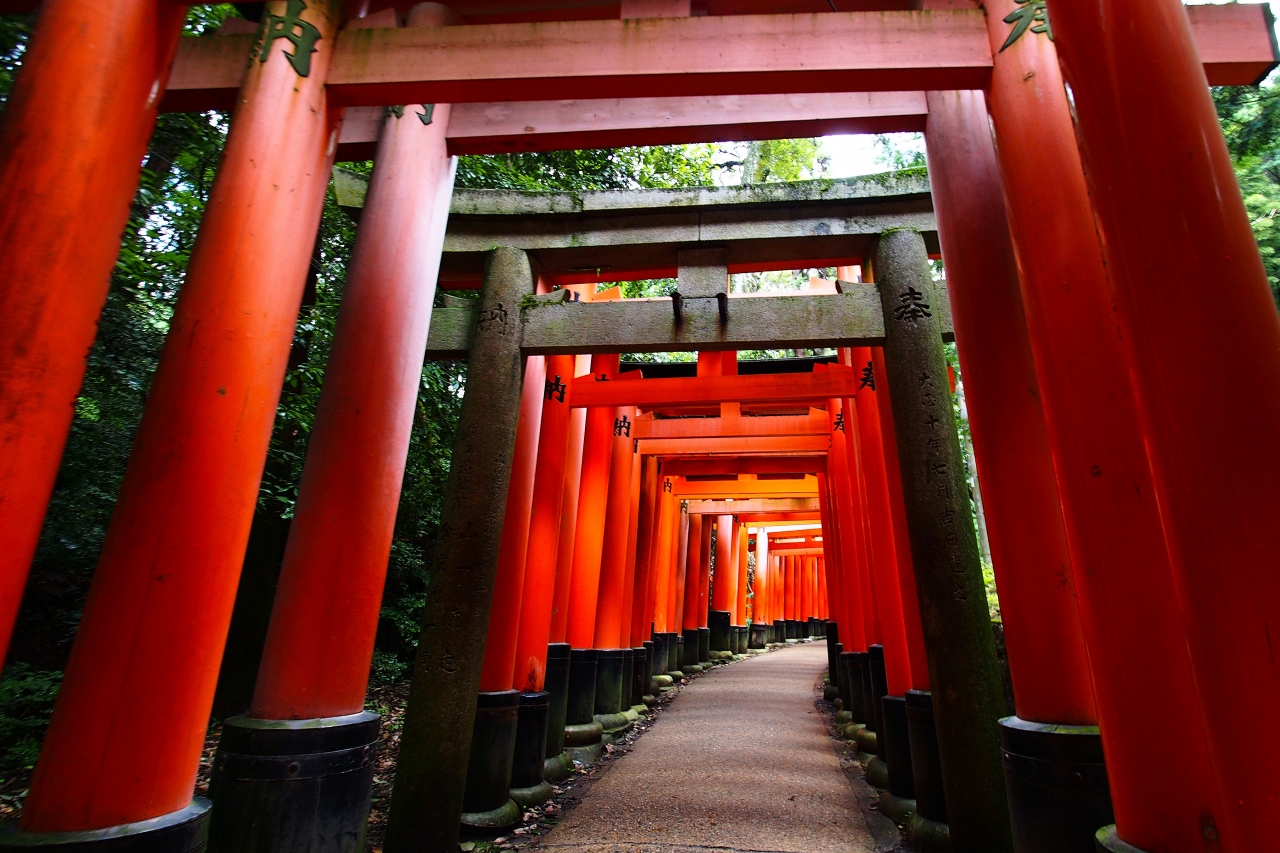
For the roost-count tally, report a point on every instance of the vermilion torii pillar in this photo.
(740, 597)
(723, 579)
(611, 617)
(692, 588)
(67, 181)
(569, 511)
(645, 531)
(1144, 114)
(155, 623)
(315, 665)
(427, 798)
(1052, 683)
(967, 696)
(1142, 673)
(544, 528)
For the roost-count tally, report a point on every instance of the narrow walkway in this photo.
(740, 761)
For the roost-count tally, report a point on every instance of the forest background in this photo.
(177, 176)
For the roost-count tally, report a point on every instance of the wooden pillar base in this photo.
(581, 707)
(704, 645)
(1057, 783)
(850, 684)
(609, 680)
(896, 738)
(661, 655)
(278, 784)
(719, 626)
(183, 831)
(689, 651)
(757, 639)
(639, 675)
(556, 684)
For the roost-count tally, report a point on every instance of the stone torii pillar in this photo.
(1167, 203)
(156, 619)
(67, 184)
(315, 668)
(435, 748)
(967, 696)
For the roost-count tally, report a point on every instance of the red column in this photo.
(760, 606)
(75, 130)
(316, 659)
(609, 608)
(504, 618)
(1129, 610)
(740, 594)
(645, 535)
(898, 515)
(660, 563)
(871, 601)
(722, 585)
(130, 723)
(569, 513)
(679, 571)
(629, 639)
(704, 572)
(848, 610)
(538, 589)
(1184, 266)
(692, 584)
(845, 526)
(1047, 658)
(593, 499)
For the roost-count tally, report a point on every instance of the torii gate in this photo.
(1149, 584)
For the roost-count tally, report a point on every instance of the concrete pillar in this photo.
(967, 696)
(427, 797)
(155, 623)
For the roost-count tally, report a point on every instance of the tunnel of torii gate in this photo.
(608, 524)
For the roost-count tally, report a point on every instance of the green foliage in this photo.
(26, 701)
(1250, 119)
(899, 154)
(595, 169)
(782, 160)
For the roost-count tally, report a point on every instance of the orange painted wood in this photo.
(761, 446)
(884, 550)
(593, 500)
(846, 525)
(740, 598)
(569, 513)
(661, 570)
(130, 723)
(538, 591)
(613, 567)
(745, 486)
(1208, 420)
(757, 465)
(680, 565)
(627, 639)
(709, 390)
(730, 427)
(647, 518)
(898, 514)
(1047, 657)
(722, 568)
(504, 617)
(1142, 673)
(693, 563)
(67, 181)
(315, 662)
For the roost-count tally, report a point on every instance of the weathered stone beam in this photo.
(684, 57)
(648, 325)
(770, 506)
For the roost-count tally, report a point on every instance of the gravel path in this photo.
(740, 761)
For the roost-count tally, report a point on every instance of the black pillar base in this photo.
(486, 802)
(581, 707)
(639, 675)
(718, 624)
(183, 831)
(1057, 784)
(279, 784)
(704, 645)
(857, 693)
(661, 653)
(869, 702)
(895, 740)
(879, 685)
(556, 684)
(833, 662)
(759, 636)
(926, 761)
(675, 652)
(689, 651)
(609, 679)
(1107, 841)
(845, 681)
(528, 763)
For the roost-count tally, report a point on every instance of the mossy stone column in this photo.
(968, 698)
(426, 800)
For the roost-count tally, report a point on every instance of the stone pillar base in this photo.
(278, 783)
(557, 768)
(486, 802)
(926, 761)
(719, 630)
(704, 645)
(183, 831)
(928, 836)
(897, 809)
